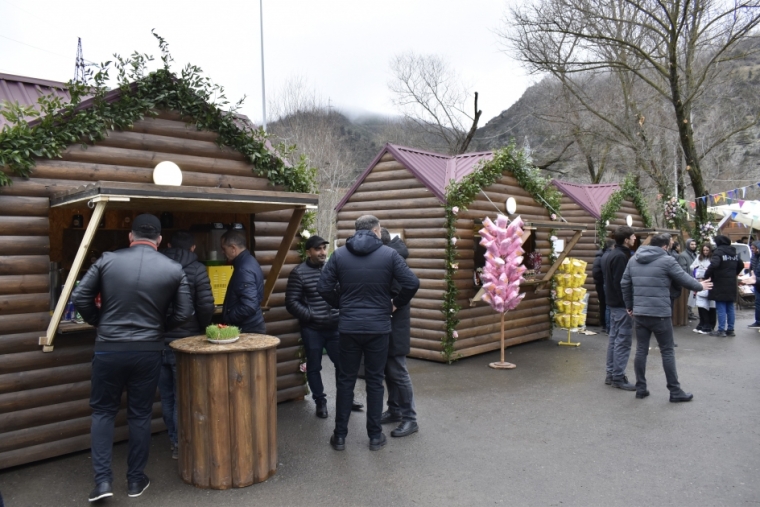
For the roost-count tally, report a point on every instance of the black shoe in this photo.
(356, 407)
(377, 443)
(322, 410)
(642, 394)
(101, 491)
(730, 332)
(754, 325)
(682, 396)
(338, 443)
(608, 380)
(720, 334)
(623, 384)
(135, 489)
(406, 428)
(389, 417)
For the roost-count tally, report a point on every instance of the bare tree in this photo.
(673, 49)
(306, 121)
(430, 94)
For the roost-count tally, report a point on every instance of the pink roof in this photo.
(434, 170)
(26, 90)
(589, 197)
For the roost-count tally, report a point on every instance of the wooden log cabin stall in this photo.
(406, 189)
(584, 204)
(44, 395)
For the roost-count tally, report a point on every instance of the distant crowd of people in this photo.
(637, 291)
(354, 306)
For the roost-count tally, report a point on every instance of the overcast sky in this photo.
(341, 47)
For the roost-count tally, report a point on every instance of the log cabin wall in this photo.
(588, 245)
(393, 194)
(44, 397)
(479, 328)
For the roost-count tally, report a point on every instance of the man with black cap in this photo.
(318, 320)
(138, 287)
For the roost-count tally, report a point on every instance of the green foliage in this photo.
(216, 332)
(201, 103)
(629, 189)
(460, 194)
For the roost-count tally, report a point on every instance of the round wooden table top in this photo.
(247, 342)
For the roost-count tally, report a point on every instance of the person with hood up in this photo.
(182, 250)
(598, 275)
(401, 406)
(725, 266)
(754, 269)
(685, 260)
(705, 307)
(646, 291)
(358, 279)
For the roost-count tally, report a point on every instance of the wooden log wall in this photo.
(588, 245)
(44, 397)
(403, 204)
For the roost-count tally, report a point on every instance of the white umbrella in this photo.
(747, 213)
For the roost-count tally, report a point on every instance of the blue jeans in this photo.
(757, 304)
(725, 311)
(313, 342)
(619, 345)
(167, 386)
(607, 319)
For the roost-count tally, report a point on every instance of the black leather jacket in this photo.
(304, 302)
(200, 288)
(137, 286)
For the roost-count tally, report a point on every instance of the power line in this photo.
(42, 49)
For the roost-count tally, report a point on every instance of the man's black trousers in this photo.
(138, 372)
(374, 347)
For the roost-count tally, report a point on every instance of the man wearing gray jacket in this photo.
(646, 292)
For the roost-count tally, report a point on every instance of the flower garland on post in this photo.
(459, 195)
(628, 190)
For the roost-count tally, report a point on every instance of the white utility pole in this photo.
(263, 87)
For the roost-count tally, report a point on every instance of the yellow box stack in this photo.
(220, 277)
(569, 304)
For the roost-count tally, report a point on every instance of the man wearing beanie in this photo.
(318, 320)
(725, 265)
(138, 287)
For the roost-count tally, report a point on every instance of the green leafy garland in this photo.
(459, 195)
(628, 190)
(195, 97)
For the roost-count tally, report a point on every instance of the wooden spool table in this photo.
(227, 412)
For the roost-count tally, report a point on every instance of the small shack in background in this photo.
(583, 204)
(406, 189)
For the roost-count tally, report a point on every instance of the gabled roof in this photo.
(434, 170)
(26, 90)
(589, 197)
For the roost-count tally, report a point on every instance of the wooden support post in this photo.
(279, 260)
(47, 340)
(549, 274)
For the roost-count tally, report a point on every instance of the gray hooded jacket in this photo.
(647, 279)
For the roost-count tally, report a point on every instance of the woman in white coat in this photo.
(705, 307)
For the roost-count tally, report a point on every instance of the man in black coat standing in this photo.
(245, 290)
(318, 320)
(725, 265)
(182, 250)
(138, 286)
(598, 276)
(401, 407)
(358, 279)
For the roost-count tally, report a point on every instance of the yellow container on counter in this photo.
(220, 278)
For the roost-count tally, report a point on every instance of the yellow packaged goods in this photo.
(558, 319)
(579, 266)
(565, 266)
(577, 308)
(567, 294)
(579, 294)
(219, 277)
(578, 280)
(567, 307)
(564, 320)
(576, 320)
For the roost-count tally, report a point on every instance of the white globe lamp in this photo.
(167, 173)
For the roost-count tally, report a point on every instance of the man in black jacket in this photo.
(401, 406)
(621, 325)
(245, 290)
(318, 320)
(598, 276)
(138, 286)
(182, 250)
(358, 280)
(724, 267)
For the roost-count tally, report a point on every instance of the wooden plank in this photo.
(548, 276)
(24, 245)
(23, 206)
(13, 324)
(220, 473)
(24, 264)
(11, 402)
(172, 128)
(24, 303)
(168, 144)
(51, 376)
(24, 284)
(279, 260)
(241, 423)
(200, 420)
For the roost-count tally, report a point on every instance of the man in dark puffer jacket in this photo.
(318, 320)
(245, 290)
(646, 291)
(400, 391)
(358, 279)
(598, 275)
(725, 265)
(182, 250)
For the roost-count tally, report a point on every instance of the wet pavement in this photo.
(547, 433)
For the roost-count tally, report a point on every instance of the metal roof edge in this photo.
(399, 155)
(33, 80)
(361, 178)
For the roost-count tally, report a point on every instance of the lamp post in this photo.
(263, 87)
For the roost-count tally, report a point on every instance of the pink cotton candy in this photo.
(502, 273)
